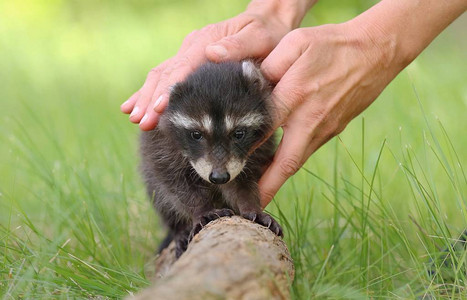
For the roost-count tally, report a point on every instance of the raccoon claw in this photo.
(208, 217)
(180, 249)
(181, 243)
(266, 220)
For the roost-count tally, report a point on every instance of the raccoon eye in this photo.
(196, 135)
(239, 134)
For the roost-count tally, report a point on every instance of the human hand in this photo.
(326, 76)
(253, 33)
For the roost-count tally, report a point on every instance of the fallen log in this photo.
(230, 258)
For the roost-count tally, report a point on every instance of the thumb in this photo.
(244, 44)
(288, 159)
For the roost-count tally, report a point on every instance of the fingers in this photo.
(278, 62)
(180, 68)
(128, 105)
(299, 140)
(139, 101)
(145, 94)
(290, 156)
(288, 95)
(249, 42)
(153, 97)
(307, 128)
(287, 161)
(244, 36)
(149, 120)
(175, 71)
(143, 111)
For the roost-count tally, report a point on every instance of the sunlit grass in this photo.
(376, 213)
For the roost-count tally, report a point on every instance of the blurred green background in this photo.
(367, 217)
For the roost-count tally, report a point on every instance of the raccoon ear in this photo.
(253, 73)
(174, 95)
(176, 91)
(173, 87)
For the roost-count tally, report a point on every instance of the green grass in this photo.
(371, 215)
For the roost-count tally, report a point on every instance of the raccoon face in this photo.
(216, 116)
(217, 148)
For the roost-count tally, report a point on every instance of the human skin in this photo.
(325, 75)
(329, 74)
(253, 33)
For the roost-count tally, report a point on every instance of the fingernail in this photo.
(144, 118)
(219, 51)
(135, 111)
(158, 101)
(122, 106)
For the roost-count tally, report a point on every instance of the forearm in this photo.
(406, 27)
(289, 12)
(327, 75)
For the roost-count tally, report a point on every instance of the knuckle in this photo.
(267, 194)
(329, 126)
(315, 122)
(191, 36)
(294, 94)
(314, 87)
(331, 129)
(268, 38)
(165, 74)
(297, 94)
(209, 28)
(154, 72)
(232, 42)
(318, 114)
(190, 39)
(289, 165)
(213, 31)
(280, 109)
(182, 62)
(335, 128)
(183, 65)
(340, 128)
(296, 36)
(257, 25)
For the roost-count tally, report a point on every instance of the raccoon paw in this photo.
(181, 243)
(208, 217)
(266, 220)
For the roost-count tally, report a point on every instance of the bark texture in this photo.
(231, 258)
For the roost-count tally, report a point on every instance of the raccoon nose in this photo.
(219, 177)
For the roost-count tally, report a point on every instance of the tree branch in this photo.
(231, 258)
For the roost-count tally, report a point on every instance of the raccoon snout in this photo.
(217, 177)
(218, 173)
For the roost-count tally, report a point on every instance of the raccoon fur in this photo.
(203, 162)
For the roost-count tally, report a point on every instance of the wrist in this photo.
(380, 45)
(402, 29)
(289, 13)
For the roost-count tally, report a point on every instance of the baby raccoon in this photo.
(202, 161)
